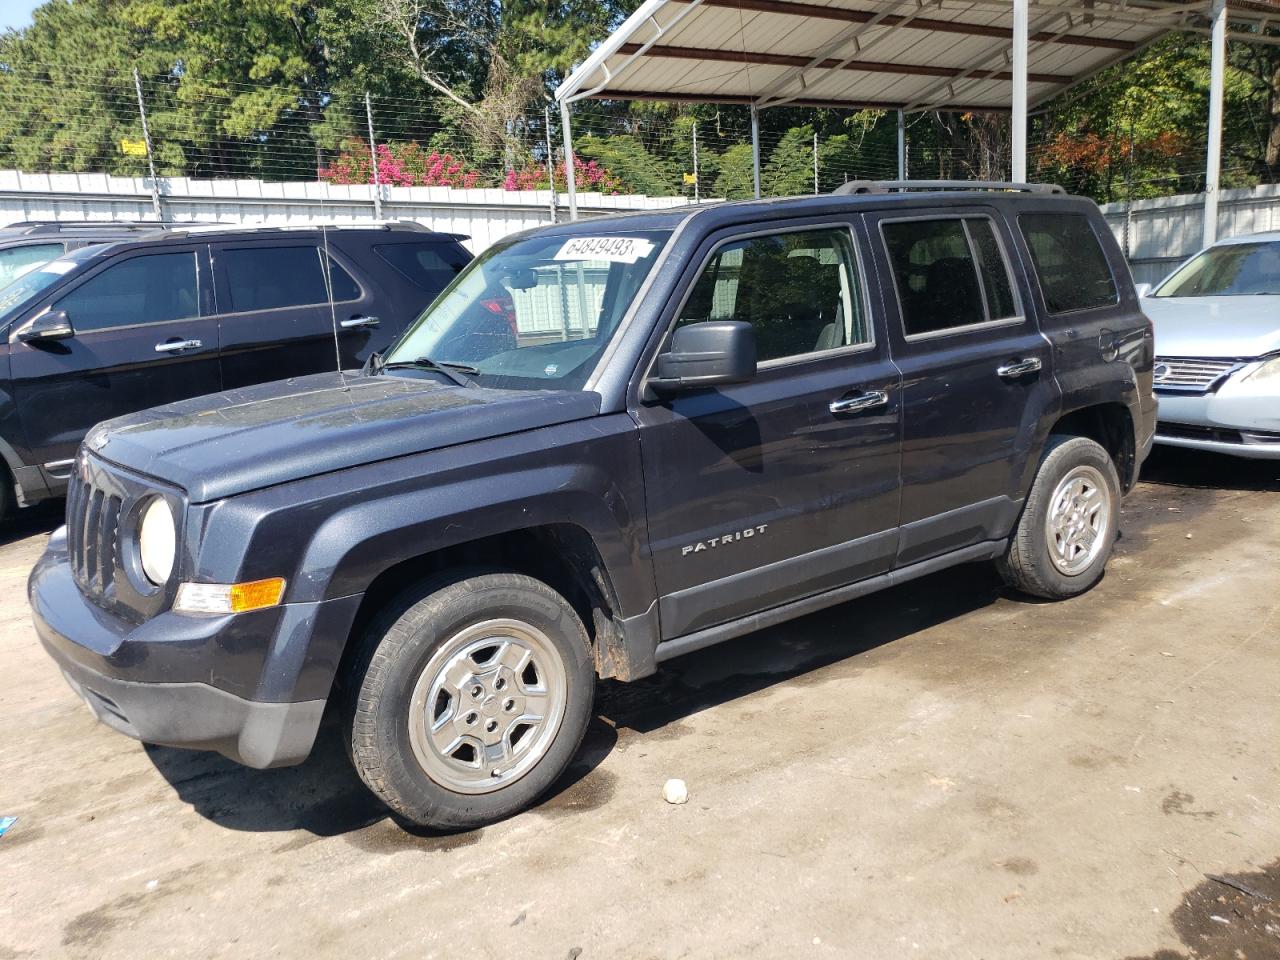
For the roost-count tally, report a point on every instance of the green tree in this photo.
(627, 159)
(789, 171)
(734, 179)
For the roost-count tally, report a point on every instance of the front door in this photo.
(785, 486)
(139, 341)
(975, 375)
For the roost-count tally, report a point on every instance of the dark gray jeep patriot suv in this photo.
(606, 444)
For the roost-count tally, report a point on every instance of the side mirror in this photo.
(1142, 290)
(707, 355)
(50, 325)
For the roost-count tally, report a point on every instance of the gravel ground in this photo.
(940, 770)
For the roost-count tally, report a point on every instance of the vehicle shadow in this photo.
(1178, 467)
(738, 668)
(325, 797)
(42, 518)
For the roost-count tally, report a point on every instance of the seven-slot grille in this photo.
(1191, 373)
(93, 534)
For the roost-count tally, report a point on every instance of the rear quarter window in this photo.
(431, 266)
(1069, 261)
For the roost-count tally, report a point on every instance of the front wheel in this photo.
(470, 700)
(1069, 523)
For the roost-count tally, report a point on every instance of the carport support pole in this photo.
(1018, 108)
(755, 149)
(902, 146)
(570, 179)
(1213, 162)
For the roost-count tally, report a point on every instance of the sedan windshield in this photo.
(532, 314)
(1229, 270)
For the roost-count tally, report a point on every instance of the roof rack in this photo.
(412, 225)
(36, 227)
(903, 186)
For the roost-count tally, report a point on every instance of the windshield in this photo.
(534, 313)
(1231, 270)
(16, 295)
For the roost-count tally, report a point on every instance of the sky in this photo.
(17, 13)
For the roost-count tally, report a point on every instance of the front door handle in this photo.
(173, 346)
(1019, 368)
(863, 401)
(354, 323)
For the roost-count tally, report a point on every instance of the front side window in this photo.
(799, 290)
(148, 289)
(16, 261)
(1069, 260)
(534, 313)
(270, 278)
(948, 273)
(1231, 270)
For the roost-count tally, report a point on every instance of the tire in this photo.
(1060, 547)
(439, 710)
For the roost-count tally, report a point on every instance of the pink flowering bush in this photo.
(399, 165)
(588, 177)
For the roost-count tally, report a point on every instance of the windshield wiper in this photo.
(459, 373)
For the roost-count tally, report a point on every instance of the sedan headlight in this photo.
(1270, 370)
(157, 541)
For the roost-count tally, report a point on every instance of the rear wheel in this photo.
(1069, 523)
(470, 700)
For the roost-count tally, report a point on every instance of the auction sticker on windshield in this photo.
(609, 249)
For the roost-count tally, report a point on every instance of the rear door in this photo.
(275, 319)
(975, 371)
(140, 341)
(785, 486)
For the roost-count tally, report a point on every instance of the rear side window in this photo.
(948, 273)
(1073, 270)
(269, 278)
(798, 290)
(147, 289)
(432, 266)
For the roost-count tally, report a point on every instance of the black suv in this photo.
(607, 444)
(109, 329)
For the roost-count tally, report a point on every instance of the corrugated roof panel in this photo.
(966, 36)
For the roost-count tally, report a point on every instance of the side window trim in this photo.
(857, 266)
(1020, 314)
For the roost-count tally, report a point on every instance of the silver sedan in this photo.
(1217, 328)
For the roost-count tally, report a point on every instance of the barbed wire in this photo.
(89, 120)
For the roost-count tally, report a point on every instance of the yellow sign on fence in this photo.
(133, 148)
(690, 179)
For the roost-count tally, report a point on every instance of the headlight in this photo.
(1269, 370)
(157, 541)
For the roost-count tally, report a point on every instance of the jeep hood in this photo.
(240, 440)
(1227, 327)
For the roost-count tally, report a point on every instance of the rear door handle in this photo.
(354, 323)
(863, 401)
(1019, 368)
(173, 346)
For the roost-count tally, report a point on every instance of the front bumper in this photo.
(252, 687)
(1233, 420)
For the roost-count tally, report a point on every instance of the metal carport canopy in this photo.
(907, 55)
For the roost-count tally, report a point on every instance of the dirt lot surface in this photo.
(942, 770)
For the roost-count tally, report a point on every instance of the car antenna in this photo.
(328, 288)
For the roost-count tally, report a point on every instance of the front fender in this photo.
(331, 536)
